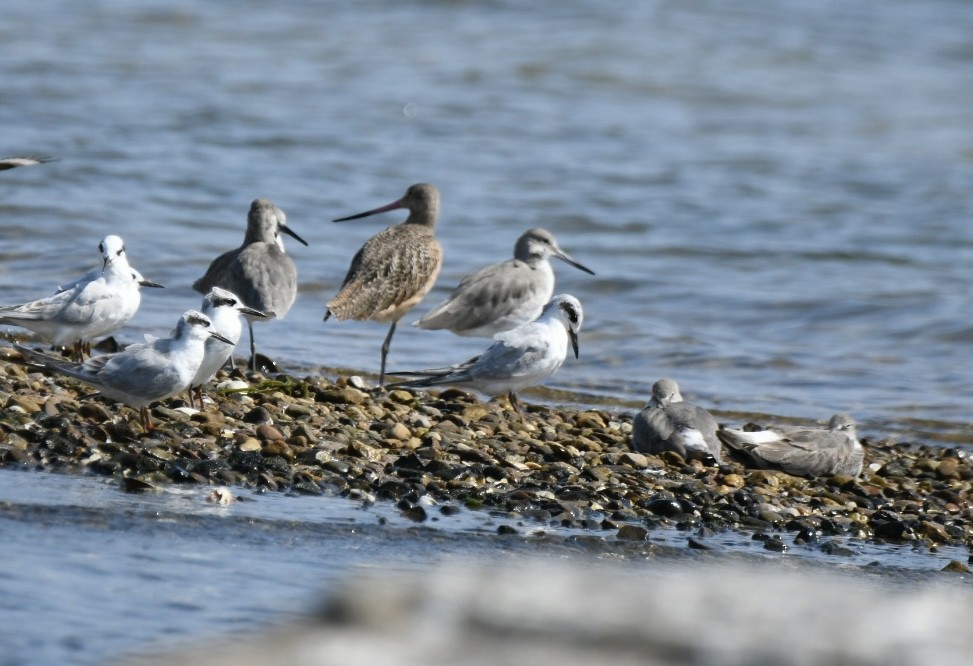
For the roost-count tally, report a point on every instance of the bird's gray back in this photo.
(505, 295)
(263, 277)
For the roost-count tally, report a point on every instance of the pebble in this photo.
(632, 533)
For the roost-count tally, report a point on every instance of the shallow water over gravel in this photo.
(91, 572)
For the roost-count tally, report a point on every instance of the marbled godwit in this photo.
(223, 309)
(395, 268)
(669, 424)
(97, 304)
(259, 272)
(142, 373)
(519, 358)
(502, 296)
(803, 451)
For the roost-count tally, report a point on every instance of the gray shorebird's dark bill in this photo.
(574, 342)
(253, 313)
(574, 263)
(149, 283)
(287, 230)
(383, 209)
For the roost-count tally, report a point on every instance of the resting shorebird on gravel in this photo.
(666, 423)
(802, 451)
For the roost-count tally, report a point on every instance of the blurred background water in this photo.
(775, 196)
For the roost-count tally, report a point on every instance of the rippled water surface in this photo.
(776, 196)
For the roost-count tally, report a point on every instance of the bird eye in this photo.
(120, 252)
(101, 247)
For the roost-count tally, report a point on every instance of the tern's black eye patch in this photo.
(571, 312)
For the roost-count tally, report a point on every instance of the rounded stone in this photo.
(268, 432)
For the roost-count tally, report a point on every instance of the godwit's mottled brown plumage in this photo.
(259, 272)
(395, 268)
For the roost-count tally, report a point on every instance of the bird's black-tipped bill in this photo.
(220, 337)
(568, 259)
(574, 342)
(383, 209)
(149, 283)
(290, 232)
(243, 309)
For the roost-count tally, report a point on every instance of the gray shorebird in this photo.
(395, 268)
(97, 304)
(521, 357)
(802, 451)
(143, 373)
(503, 296)
(259, 272)
(667, 423)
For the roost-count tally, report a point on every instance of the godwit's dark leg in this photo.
(385, 352)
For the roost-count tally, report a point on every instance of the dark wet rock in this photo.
(894, 468)
(665, 506)
(258, 415)
(132, 485)
(775, 544)
(632, 533)
(415, 513)
(807, 535)
(955, 566)
(831, 548)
